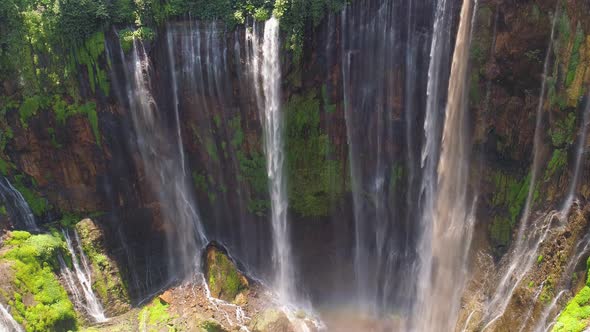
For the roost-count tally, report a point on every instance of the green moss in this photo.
(211, 326)
(127, 36)
(34, 260)
(155, 316)
(563, 25)
(575, 57)
(564, 131)
(223, 278)
(37, 203)
(88, 56)
(556, 163)
(107, 280)
(501, 230)
(574, 318)
(313, 171)
(30, 107)
(540, 259)
(211, 150)
(253, 172)
(508, 199)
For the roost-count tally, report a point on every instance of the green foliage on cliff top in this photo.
(314, 174)
(34, 260)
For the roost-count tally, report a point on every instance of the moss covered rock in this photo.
(211, 326)
(38, 300)
(107, 279)
(271, 320)
(224, 279)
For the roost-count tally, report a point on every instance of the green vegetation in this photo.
(575, 57)
(252, 169)
(211, 326)
(223, 278)
(107, 281)
(509, 197)
(127, 36)
(576, 315)
(313, 171)
(556, 163)
(34, 261)
(564, 131)
(548, 291)
(38, 204)
(155, 317)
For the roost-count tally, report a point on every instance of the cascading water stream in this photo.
(452, 223)
(81, 279)
(17, 206)
(522, 255)
(569, 199)
(162, 159)
(431, 145)
(265, 69)
(275, 156)
(7, 322)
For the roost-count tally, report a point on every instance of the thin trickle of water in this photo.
(175, 101)
(581, 148)
(520, 259)
(162, 159)
(542, 321)
(7, 322)
(452, 222)
(82, 275)
(518, 268)
(526, 317)
(17, 206)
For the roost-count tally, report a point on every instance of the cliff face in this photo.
(353, 105)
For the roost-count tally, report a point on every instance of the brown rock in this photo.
(166, 297)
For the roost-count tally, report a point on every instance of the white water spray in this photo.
(267, 69)
(17, 206)
(83, 279)
(7, 322)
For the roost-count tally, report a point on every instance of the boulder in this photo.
(224, 279)
(271, 320)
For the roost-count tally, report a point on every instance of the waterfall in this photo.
(81, 279)
(162, 159)
(266, 71)
(431, 146)
(16, 205)
(382, 242)
(523, 254)
(452, 222)
(175, 102)
(581, 148)
(7, 323)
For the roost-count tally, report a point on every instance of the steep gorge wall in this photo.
(66, 166)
